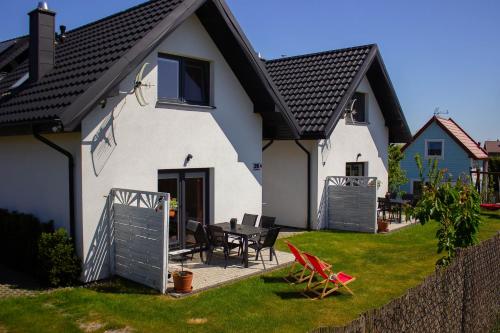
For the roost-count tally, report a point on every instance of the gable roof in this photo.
(97, 56)
(318, 86)
(492, 147)
(457, 133)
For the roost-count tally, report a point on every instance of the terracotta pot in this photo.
(183, 281)
(171, 213)
(383, 225)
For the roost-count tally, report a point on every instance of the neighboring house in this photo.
(444, 140)
(170, 96)
(319, 88)
(492, 148)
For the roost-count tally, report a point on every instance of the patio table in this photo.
(243, 231)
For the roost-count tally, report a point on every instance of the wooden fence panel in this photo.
(139, 242)
(352, 203)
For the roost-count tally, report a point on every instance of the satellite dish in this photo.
(139, 85)
(350, 112)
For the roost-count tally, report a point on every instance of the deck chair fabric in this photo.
(298, 276)
(329, 280)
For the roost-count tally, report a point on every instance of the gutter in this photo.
(308, 183)
(71, 181)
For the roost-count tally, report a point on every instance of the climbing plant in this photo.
(454, 206)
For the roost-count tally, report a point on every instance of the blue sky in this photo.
(438, 53)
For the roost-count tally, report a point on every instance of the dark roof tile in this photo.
(85, 55)
(314, 84)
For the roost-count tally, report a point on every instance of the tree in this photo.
(454, 206)
(397, 176)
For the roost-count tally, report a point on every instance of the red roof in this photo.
(458, 134)
(492, 147)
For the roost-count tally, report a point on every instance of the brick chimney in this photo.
(42, 41)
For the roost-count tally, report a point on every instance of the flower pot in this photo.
(183, 281)
(171, 213)
(383, 226)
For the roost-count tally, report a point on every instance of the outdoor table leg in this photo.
(245, 251)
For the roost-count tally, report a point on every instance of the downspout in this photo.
(308, 183)
(71, 181)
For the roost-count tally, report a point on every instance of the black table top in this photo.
(240, 229)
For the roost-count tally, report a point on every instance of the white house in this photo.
(348, 114)
(170, 96)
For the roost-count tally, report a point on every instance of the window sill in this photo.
(357, 123)
(183, 106)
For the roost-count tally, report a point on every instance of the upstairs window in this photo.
(356, 169)
(358, 114)
(183, 80)
(434, 148)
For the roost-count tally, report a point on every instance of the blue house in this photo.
(445, 140)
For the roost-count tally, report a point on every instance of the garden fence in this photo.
(465, 297)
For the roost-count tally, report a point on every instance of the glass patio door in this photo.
(188, 190)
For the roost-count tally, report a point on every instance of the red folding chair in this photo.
(300, 275)
(330, 281)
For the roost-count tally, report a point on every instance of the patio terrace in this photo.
(213, 275)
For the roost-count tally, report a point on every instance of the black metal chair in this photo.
(198, 240)
(249, 219)
(266, 242)
(267, 222)
(217, 239)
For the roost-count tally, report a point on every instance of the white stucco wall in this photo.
(227, 139)
(285, 182)
(34, 177)
(285, 168)
(371, 140)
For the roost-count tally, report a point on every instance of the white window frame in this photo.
(440, 157)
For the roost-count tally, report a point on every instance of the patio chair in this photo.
(327, 276)
(199, 239)
(217, 239)
(300, 275)
(267, 222)
(266, 242)
(264, 222)
(249, 219)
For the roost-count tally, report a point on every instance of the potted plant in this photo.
(383, 225)
(173, 207)
(183, 281)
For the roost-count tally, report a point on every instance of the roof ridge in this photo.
(143, 4)
(320, 52)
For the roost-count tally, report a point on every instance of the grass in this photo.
(385, 267)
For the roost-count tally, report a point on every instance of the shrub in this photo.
(397, 176)
(59, 265)
(455, 206)
(19, 234)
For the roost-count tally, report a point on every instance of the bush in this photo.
(453, 205)
(59, 265)
(19, 234)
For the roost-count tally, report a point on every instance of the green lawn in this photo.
(385, 267)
